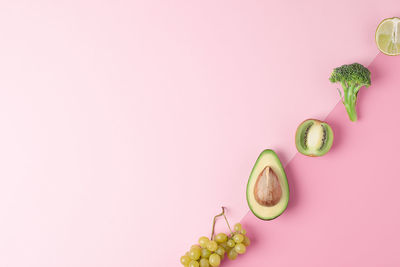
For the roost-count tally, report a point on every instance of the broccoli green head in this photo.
(352, 77)
(354, 74)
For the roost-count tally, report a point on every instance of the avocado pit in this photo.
(267, 190)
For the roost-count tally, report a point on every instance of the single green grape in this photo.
(230, 243)
(237, 227)
(232, 254)
(185, 260)
(214, 260)
(221, 252)
(238, 238)
(224, 245)
(204, 263)
(203, 241)
(195, 253)
(240, 248)
(243, 232)
(246, 241)
(195, 246)
(205, 253)
(212, 245)
(221, 238)
(194, 264)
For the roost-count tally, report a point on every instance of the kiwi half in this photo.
(314, 138)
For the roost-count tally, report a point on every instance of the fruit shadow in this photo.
(338, 134)
(257, 232)
(282, 156)
(376, 76)
(291, 175)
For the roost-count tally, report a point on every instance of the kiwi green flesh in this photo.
(314, 138)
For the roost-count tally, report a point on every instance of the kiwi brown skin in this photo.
(318, 121)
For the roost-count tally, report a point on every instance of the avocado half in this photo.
(267, 188)
(314, 138)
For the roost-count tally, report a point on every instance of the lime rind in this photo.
(387, 36)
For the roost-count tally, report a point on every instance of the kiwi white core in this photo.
(315, 137)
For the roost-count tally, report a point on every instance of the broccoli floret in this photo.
(352, 77)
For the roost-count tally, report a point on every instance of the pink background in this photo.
(344, 206)
(127, 124)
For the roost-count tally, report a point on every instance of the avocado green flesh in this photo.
(314, 138)
(267, 158)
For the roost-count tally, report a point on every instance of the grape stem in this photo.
(215, 219)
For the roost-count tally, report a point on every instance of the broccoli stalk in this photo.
(352, 77)
(350, 99)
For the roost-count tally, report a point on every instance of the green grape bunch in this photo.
(212, 251)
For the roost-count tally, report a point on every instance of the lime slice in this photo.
(387, 36)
